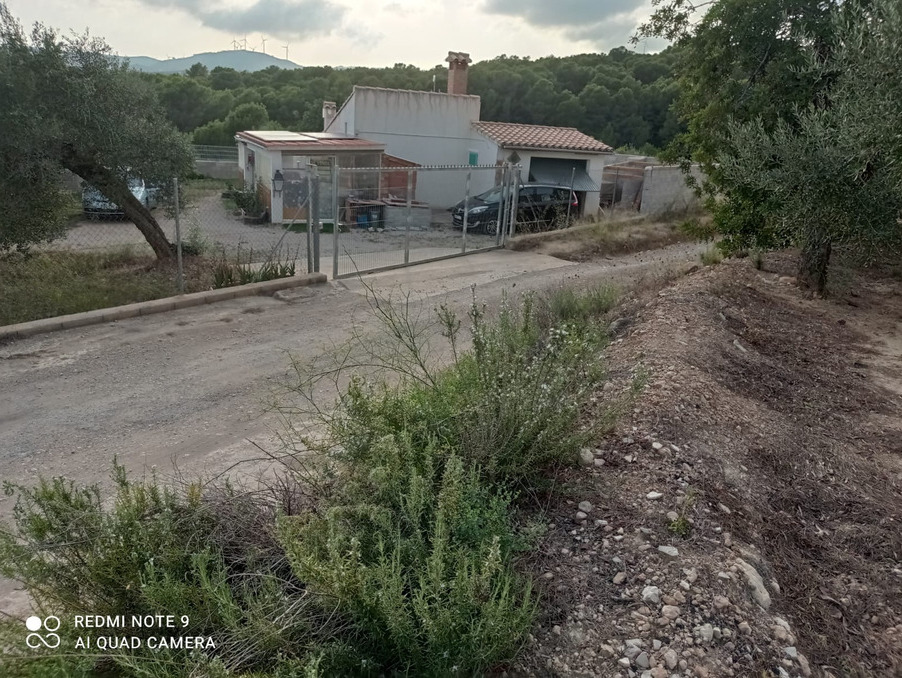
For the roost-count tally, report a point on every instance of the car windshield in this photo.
(492, 197)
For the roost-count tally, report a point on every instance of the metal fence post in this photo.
(570, 195)
(180, 276)
(502, 203)
(409, 207)
(336, 175)
(513, 197)
(314, 220)
(513, 221)
(466, 208)
(309, 221)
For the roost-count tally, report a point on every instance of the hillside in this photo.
(240, 60)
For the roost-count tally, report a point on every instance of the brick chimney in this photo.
(329, 111)
(458, 63)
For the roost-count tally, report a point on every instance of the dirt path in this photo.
(746, 518)
(187, 390)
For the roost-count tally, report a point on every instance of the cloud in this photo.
(290, 19)
(606, 23)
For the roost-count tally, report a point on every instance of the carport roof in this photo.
(307, 141)
(521, 136)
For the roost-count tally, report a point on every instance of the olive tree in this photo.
(832, 172)
(69, 103)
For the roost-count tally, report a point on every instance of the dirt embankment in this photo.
(746, 518)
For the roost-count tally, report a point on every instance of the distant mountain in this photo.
(239, 59)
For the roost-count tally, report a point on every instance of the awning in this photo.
(558, 171)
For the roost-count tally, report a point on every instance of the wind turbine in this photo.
(286, 51)
(264, 45)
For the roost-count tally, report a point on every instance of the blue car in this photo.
(95, 204)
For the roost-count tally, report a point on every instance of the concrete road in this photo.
(187, 389)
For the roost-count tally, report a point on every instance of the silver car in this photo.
(95, 204)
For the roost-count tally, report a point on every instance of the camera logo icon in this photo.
(50, 639)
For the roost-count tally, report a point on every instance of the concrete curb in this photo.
(103, 315)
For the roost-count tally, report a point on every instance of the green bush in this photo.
(391, 550)
(417, 549)
(212, 557)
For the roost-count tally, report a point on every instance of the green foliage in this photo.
(74, 107)
(207, 554)
(791, 109)
(621, 99)
(403, 561)
(229, 274)
(417, 549)
(569, 305)
(832, 171)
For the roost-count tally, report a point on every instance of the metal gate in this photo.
(364, 219)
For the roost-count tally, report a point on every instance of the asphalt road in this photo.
(187, 390)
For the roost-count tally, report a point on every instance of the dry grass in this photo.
(621, 235)
(50, 284)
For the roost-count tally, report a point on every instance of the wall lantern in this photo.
(278, 181)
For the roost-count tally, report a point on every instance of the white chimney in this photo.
(329, 111)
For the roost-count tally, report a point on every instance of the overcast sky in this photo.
(348, 32)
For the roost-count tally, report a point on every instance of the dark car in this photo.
(542, 205)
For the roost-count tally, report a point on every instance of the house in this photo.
(444, 128)
(275, 163)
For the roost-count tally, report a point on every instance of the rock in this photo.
(673, 516)
(756, 584)
(780, 634)
(608, 650)
(598, 462)
(721, 602)
(585, 507)
(723, 509)
(671, 659)
(656, 447)
(586, 457)
(705, 633)
(669, 551)
(620, 577)
(658, 672)
(691, 574)
(744, 628)
(654, 495)
(670, 611)
(624, 662)
(556, 630)
(791, 652)
(651, 594)
(656, 645)
(804, 666)
(685, 585)
(642, 660)
(580, 516)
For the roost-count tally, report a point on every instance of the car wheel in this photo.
(490, 227)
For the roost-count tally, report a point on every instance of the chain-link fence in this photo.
(393, 216)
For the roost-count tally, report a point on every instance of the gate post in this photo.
(313, 221)
(336, 175)
(409, 216)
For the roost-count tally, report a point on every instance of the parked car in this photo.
(543, 205)
(95, 204)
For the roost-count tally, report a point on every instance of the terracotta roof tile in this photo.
(517, 135)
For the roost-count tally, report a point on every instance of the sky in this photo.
(349, 32)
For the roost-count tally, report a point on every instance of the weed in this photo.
(711, 256)
(682, 527)
(569, 305)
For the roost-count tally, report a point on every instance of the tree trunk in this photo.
(116, 189)
(813, 265)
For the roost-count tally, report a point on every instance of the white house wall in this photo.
(428, 128)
